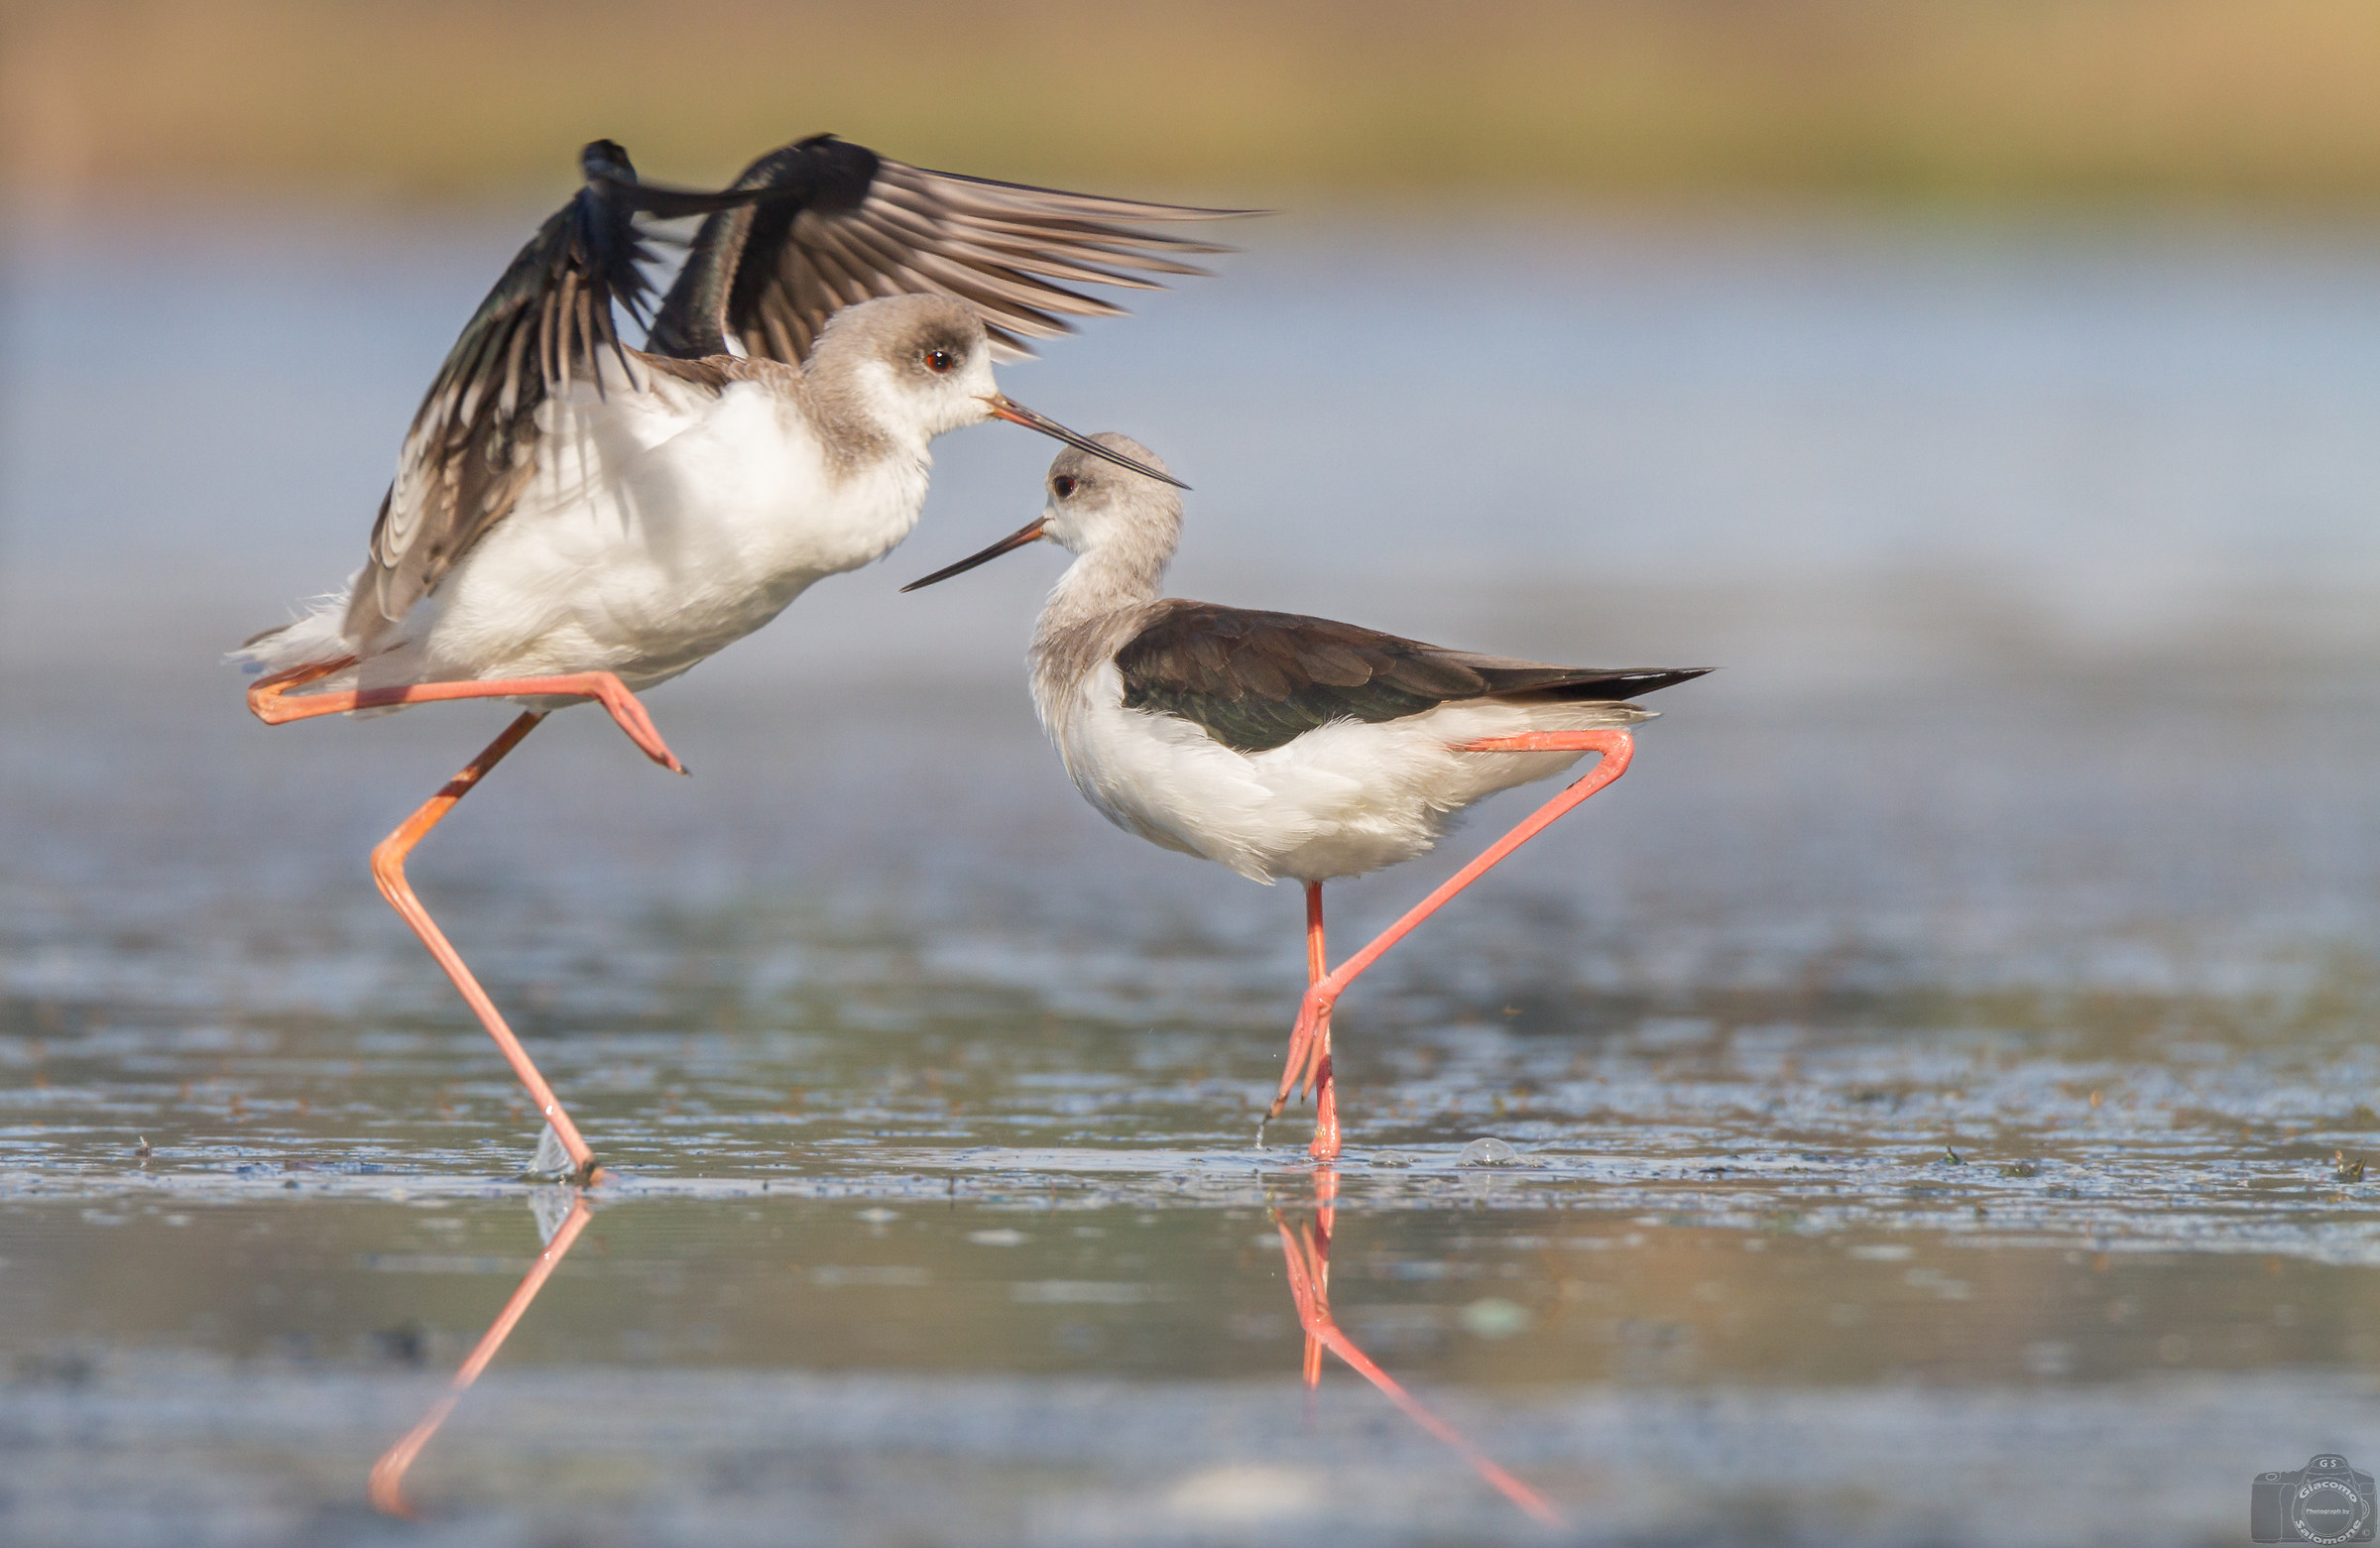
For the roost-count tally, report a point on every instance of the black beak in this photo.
(1031, 532)
(1005, 408)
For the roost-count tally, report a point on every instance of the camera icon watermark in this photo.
(2324, 1501)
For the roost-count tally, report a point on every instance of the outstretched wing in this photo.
(1258, 681)
(473, 441)
(848, 225)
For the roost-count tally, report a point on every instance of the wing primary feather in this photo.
(589, 339)
(564, 315)
(844, 225)
(547, 344)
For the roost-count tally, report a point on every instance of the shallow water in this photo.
(1929, 1072)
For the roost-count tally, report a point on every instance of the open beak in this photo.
(1031, 532)
(1005, 408)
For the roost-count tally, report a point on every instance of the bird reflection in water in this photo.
(1307, 1253)
(387, 1474)
(1305, 1249)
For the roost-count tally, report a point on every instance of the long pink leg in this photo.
(1308, 1039)
(270, 702)
(1310, 1057)
(1326, 1091)
(1307, 1255)
(387, 869)
(387, 1487)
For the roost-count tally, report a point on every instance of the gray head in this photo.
(1099, 508)
(1096, 506)
(915, 366)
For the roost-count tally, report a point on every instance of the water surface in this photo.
(1935, 1074)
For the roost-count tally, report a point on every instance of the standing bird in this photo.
(573, 518)
(1280, 744)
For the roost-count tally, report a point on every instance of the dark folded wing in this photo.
(849, 225)
(1258, 681)
(473, 441)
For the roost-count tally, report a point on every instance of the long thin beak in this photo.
(1031, 532)
(1005, 408)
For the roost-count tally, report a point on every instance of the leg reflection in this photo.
(1307, 1251)
(387, 1474)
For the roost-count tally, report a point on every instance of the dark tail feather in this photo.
(1551, 685)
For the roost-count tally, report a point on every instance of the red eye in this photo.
(939, 361)
(1061, 486)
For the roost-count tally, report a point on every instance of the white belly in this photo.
(1338, 802)
(658, 529)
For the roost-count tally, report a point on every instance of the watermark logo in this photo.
(2324, 1501)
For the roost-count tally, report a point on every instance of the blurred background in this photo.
(2054, 305)
(1988, 389)
(2137, 102)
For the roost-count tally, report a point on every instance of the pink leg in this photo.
(1310, 1057)
(1307, 1254)
(387, 869)
(386, 1486)
(1309, 1038)
(269, 700)
(1325, 1147)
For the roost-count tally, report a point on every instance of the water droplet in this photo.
(1487, 1151)
(552, 1157)
(879, 1216)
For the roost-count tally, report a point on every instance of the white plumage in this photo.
(1343, 799)
(669, 516)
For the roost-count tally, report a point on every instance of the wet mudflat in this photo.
(1933, 1079)
(956, 1230)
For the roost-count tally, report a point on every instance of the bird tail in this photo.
(1566, 685)
(315, 638)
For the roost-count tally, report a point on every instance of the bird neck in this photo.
(1096, 605)
(847, 411)
(1105, 580)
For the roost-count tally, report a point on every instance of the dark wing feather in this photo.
(846, 225)
(473, 441)
(1258, 680)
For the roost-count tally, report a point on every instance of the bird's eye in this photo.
(939, 361)
(1061, 486)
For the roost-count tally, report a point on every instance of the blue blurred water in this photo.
(2126, 428)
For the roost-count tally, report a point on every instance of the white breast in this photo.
(660, 526)
(1338, 802)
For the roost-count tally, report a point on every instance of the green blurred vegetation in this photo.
(1984, 100)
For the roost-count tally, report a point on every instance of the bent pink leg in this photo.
(386, 1486)
(1307, 1256)
(1313, 1013)
(387, 869)
(269, 700)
